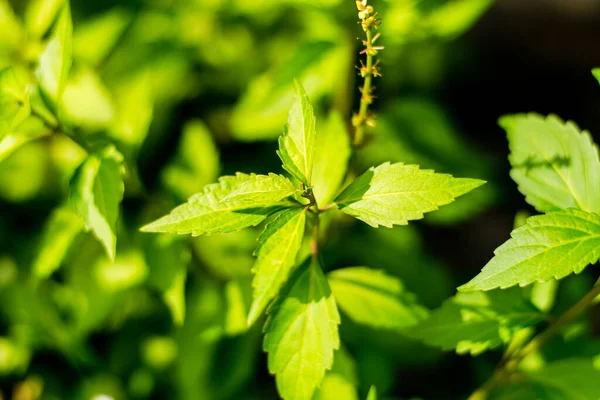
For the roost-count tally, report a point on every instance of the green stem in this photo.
(365, 99)
(509, 365)
(314, 238)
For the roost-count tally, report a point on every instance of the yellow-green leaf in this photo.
(301, 333)
(276, 254)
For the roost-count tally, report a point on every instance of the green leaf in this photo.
(554, 163)
(297, 144)
(40, 14)
(301, 333)
(14, 102)
(276, 254)
(373, 298)
(261, 189)
(167, 257)
(455, 17)
(206, 213)
(596, 73)
(372, 395)
(393, 194)
(60, 231)
(570, 379)
(93, 40)
(11, 32)
(189, 173)
(548, 246)
(341, 381)
(55, 61)
(331, 159)
(476, 321)
(86, 102)
(96, 190)
(30, 129)
(238, 295)
(134, 98)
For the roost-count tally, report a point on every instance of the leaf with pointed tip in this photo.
(331, 159)
(549, 246)
(276, 254)
(14, 102)
(56, 59)
(96, 191)
(297, 144)
(60, 231)
(262, 189)
(476, 321)
(373, 298)
(393, 194)
(554, 163)
(596, 73)
(372, 393)
(206, 212)
(301, 333)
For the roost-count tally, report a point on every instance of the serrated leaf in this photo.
(14, 102)
(60, 231)
(276, 253)
(261, 189)
(96, 191)
(56, 59)
(373, 298)
(206, 213)
(332, 153)
(297, 144)
(554, 163)
(549, 246)
(570, 379)
(393, 194)
(301, 333)
(476, 321)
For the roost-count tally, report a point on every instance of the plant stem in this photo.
(509, 365)
(365, 98)
(314, 239)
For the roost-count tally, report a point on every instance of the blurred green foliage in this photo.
(182, 91)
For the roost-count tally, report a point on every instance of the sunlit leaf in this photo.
(331, 159)
(341, 381)
(86, 101)
(477, 321)
(554, 163)
(297, 144)
(55, 61)
(134, 102)
(206, 212)
(372, 395)
(96, 191)
(11, 31)
(14, 102)
(276, 253)
(261, 189)
(373, 298)
(196, 162)
(94, 39)
(40, 14)
(61, 230)
(301, 334)
(393, 194)
(549, 246)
